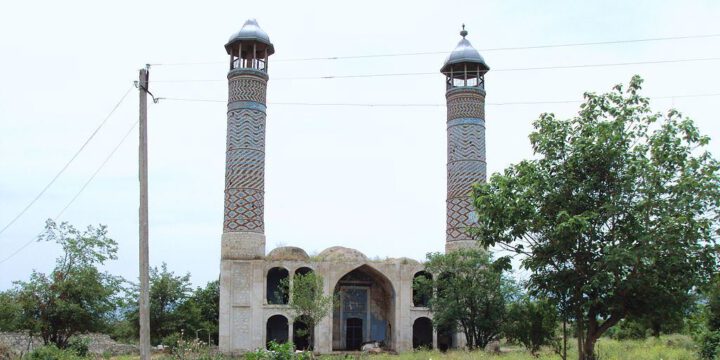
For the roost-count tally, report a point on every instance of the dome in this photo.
(251, 31)
(288, 253)
(339, 253)
(464, 52)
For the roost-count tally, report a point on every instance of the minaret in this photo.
(243, 227)
(243, 240)
(464, 72)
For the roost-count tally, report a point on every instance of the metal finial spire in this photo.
(464, 32)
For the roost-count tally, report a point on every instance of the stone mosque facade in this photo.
(376, 301)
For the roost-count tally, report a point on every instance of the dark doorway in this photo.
(445, 339)
(353, 334)
(301, 334)
(277, 329)
(422, 333)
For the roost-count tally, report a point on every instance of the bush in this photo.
(51, 352)
(710, 346)
(285, 351)
(171, 341)
(79, 346)
(628, 330)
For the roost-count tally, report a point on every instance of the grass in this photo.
(671, 347)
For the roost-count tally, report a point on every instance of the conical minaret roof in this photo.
(251, 31)
(464, 52)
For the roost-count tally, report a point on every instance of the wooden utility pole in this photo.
(144, 301)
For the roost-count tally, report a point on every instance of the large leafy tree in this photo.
(168, 292)
(469, 293)
(615, 217)
(75, 297)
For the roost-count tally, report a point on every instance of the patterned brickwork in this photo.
(244, 210)
(247, 88)
(468, 142)
(469, 105)
(461, 175)
(245, 154)
(466, 158)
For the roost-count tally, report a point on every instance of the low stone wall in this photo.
(98, 344)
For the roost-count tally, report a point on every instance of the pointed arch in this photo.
(366, 310)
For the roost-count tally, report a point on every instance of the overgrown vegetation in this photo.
(468, 294)
(75, 297)
(618, 216)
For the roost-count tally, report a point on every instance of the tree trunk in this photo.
(594, 332)
(589, 347)
(565, 340)
(580, 332)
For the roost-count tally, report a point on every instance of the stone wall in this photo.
(98, 344)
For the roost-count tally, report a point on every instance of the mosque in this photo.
(376, 301)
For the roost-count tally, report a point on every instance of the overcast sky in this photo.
(371, 178)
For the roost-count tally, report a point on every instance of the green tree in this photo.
(10, 311)
(168, 292)
(470, 293)
(199, 314)
(308, 304)
(617, 215)
(713, 305)
(76, 297)
(532, 323)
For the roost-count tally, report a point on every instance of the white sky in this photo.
(368, 178)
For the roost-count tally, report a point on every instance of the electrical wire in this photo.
(512, 48)
(82, 147)
(428, 105)
(79, 191)
(555, 67)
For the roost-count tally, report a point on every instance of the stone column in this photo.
(243, 227)
(465, 161)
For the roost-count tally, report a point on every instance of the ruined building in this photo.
(376, 297)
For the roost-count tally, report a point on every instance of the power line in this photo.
(79, 191)
(92, 135)
(512, 48)
(429, 104)
(555, 67)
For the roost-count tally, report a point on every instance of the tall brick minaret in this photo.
(243, 227)
(464, 72)
(243, 239)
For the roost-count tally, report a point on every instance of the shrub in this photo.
(52, 352)
(285, 351)
(710, 346)
(79, 346)
(628, 329)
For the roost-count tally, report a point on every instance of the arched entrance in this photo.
(366, 310)
(275, 292)
(445, 339)
(422, 333)
(420, 298)
(276, 329)
(301, 334)
(303, 270)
